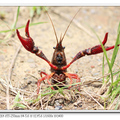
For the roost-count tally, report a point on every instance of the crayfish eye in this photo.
(55, 47)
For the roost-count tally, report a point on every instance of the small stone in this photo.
(77, 103)
(92, 66)
(76, 70)
(99, 27)
(100, 80)
(80, 105)
(22, 59)
(95, 74)
(58, 107)
(25, 78)
(61, 101)
(99, 60)
(14, 74)
(57, 103)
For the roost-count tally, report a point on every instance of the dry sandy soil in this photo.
(78, 37)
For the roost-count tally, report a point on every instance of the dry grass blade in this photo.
(9, 75)
(93, 99)
(4, 83)
(24, 103)
(112, 105)
(13, 62)
(41, 99)
(7, 94)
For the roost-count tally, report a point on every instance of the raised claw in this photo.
(26, 42)
(91, 51)
(105, 39)
(98, 48)
(27, 29)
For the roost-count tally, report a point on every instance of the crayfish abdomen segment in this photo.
(58, 80)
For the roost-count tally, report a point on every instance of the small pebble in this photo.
(14, 74)
(80, 105)
(76, 70)
(95, 74)
(57, 103)
(99, 27)
(22, 60)
(100, 79)
(92, 66)
(58, 107)
(77, 103)
(99, 60)
(25, 78)
(61, 101)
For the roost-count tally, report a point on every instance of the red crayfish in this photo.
(58, 64)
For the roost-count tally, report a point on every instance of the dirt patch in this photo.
(27, 65)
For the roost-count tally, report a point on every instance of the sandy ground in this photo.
(101, 19)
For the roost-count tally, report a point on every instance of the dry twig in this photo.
(94, 99)
(13, 62)
(10, 74)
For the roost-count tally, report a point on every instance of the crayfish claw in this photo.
(105, 39)
(27, 29)
(26, 42)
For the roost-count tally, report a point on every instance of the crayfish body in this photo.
(58, 64)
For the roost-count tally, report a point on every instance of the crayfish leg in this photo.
(74, 76)
(44, 78)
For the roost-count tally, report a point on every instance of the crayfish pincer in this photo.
(58, 64)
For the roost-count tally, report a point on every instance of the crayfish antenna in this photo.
(53, 27)
(61, 38)
(69, 25)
